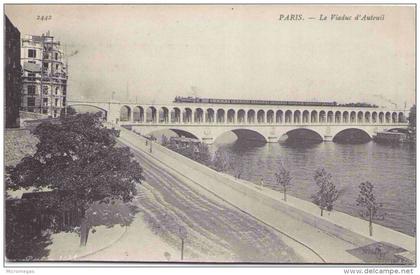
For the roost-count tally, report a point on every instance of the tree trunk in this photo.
(284, 195)
(322, 211)
(370, 225)
(84, 231)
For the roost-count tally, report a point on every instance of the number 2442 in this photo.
(43, 17)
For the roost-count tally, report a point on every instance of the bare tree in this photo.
(367, 201)
(327, 193)
(283, 179)
(221, 161)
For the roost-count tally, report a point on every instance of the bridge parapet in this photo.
(189, 115)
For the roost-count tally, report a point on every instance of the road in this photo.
(215, 228)
(214, 231)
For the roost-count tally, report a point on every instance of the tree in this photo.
(221, 160)
(412, 117)
(327, 193)
(77, 158)
(367, 201)
(283, 179)
(164, 141)
(412, 123)
(204, 154)
(235, 164)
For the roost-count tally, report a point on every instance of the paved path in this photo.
(215, 231)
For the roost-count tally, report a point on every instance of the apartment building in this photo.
(44, 78)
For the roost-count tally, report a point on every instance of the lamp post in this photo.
(182, 235)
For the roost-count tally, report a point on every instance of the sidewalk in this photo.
(332, 236)
(65, 246)
(138, 243)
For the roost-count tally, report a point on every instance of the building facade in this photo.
(12, 74)
(44, 77)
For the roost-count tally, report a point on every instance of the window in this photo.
(31, 101)
(32, 53)
(56, 56)
(31, 76)
(56, 67)
(45, 111)
(31, 90)
(56, 102)
(45, 89)
(56, 90)
(45, 102)
(31, 61)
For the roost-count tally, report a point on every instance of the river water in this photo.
(390, 168)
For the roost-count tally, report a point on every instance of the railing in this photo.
(202, 123)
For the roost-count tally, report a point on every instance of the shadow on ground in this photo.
(379, 253)
(29, 230)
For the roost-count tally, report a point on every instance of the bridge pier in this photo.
(207, 140)
(272, 139)
(328, 138)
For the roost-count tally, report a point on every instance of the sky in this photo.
(152, 53)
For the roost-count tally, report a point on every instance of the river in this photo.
(392, 170)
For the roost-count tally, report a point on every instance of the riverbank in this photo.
(334, 240)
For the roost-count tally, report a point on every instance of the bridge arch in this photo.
(302, 135)
(220, 116)
(353, 117)
(231, 116)
(260, 116)
(270, 116)
(125, 113)
(251, 116)
(297, 116)
(367, 117)
(163, 115)
(322, 116)
(210, 115)
(314, 116)
(352, 135)
(305, 116)
(183, 133)
(176, 115)
(330, 117)
(345, 117)
(103, 110)
(387, 117)
(187, 115)
(279, 116)
(401, 117)
(151, 114)
(381, 117)
(245, 135)
(198, 115)
(399, 130)
(374, 117)
(241, 116)
(337, 117)
(138, 114)
(360, 117)
(394, 117)
(288, 116)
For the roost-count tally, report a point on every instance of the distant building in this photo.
(43, 65)
(12, 74)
